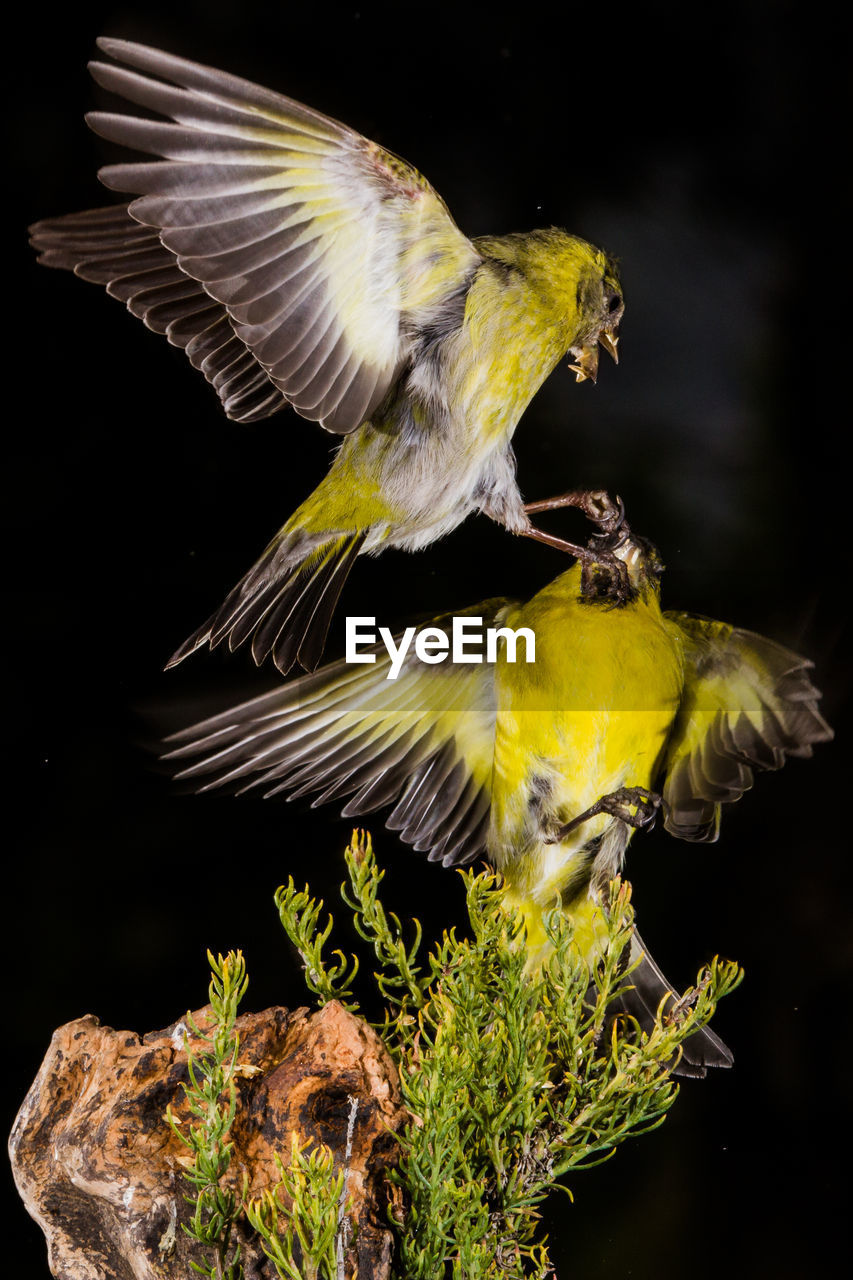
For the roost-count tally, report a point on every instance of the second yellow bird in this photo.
(546, 767)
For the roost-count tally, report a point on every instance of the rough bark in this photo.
(99, 1169)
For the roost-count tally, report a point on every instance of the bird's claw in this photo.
(604, 576)
(596, 504)
(608, 513)
(635, 806)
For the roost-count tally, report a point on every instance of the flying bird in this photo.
(298, 263)
(546, 768)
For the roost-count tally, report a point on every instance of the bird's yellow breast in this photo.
(589, 716)
(505, 351)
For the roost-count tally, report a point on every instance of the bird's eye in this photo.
(614, 301)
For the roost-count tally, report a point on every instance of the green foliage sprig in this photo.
(302, 1220)
(513, 1077)
(212, 1098)
(300, 914)
(303, 1208)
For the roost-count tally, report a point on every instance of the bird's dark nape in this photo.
(288, 616)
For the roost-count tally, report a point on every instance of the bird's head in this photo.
(571, 288)
(580, 284)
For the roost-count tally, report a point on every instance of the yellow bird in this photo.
(546, 767)
(298, 263)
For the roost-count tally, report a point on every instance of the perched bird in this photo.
(298, 263)
(546, 767)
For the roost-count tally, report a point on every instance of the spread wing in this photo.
(748, 704)
(319, 250)
(423, 743)
(110, 247)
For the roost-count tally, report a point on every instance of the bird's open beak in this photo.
(587, 357)
(609, 339)
(587, 365)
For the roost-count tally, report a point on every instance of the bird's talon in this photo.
(598, 506)
(635, 806)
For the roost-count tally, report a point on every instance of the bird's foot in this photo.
(635, 806)
(596, 504)
(604, 576)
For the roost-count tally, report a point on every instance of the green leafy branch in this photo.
(513, 1075)
(300, 915)
(212, 1098)
(302, 1210)
(302, 1220)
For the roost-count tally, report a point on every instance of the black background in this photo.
(699, 145)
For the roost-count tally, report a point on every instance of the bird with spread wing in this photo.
(546, 768)
(298, 263)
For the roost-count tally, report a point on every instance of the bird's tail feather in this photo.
(641, 996)
(285, 603)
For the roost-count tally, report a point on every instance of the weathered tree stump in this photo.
(100, 1170)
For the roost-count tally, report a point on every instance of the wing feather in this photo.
(107, 246)
(423, 743)
(314, 240)
(748, 704)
